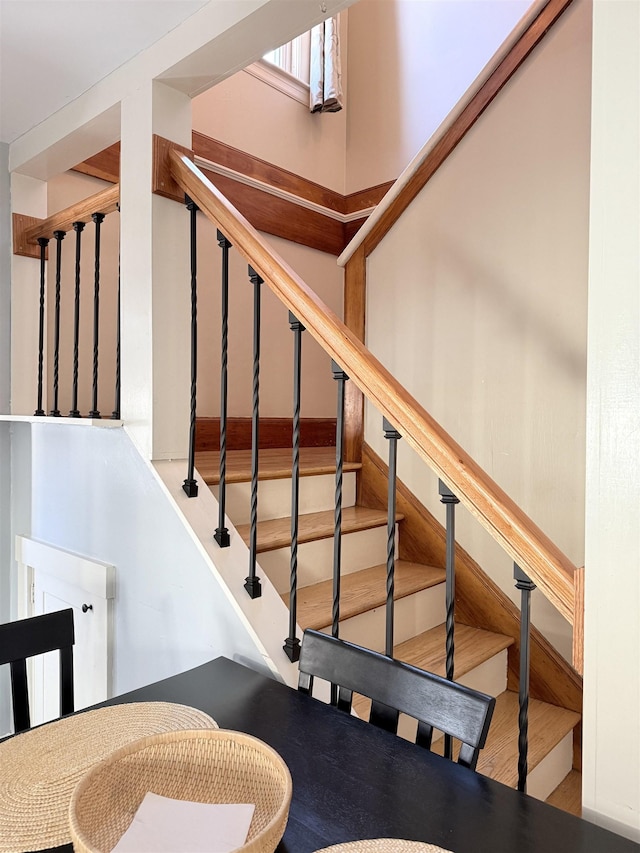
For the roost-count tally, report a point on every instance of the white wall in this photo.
(477, 302)
(611, 764)
(5, 393)
(322, 274)
(90, 492)
(409, 64)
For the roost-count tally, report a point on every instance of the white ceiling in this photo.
(53, 50)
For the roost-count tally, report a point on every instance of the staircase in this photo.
(481, 655)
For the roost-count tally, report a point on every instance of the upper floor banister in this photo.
(105, 202)
(520, 537)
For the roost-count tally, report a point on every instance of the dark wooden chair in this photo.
(34, 636)
(396, 687)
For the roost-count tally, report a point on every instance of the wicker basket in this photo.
(206, 766)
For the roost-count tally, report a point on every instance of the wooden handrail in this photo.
(106, 201)
(520, 537)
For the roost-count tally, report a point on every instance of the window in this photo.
(286, 68)
(292, 57)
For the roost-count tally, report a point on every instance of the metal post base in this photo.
(292, 648)
(95, 415)
(39, 413)
(190, 488)
(222, 537)
(74, 413)
(253, 587)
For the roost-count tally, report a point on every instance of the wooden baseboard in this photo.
(274, 432)
(479, 602)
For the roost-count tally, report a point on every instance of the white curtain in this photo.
(325, 78)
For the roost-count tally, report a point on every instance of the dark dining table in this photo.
(352, 780)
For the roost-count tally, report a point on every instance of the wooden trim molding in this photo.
(162, 182)
(578, 621)
(281, 217)
(267, 173)
(273, 199)
(506, 522)
(19, 227)
(479, 601)
(104, 165)
(274, 432)
(354, 319)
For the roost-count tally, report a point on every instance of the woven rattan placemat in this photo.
(40, 768)
(384, 845)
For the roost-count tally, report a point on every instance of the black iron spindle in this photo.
(252, 582)
(392, 435)
(115, 414)
(55, 411)
(78, 227)
(526, 586)
(341, 377)
(190, 485)
(450, 500)
(43, 242)
(222, 534)
(292, 643)
(98, 219)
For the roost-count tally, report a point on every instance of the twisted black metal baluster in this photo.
(392, 435)
(98, 218)
(55, 411)
(115, 414)
(341, 377)
(526, 586)
(450, 500)
(43, 242)
(222, 534)
(190, 485)
(78, 227)
(252, 582)
(292, 643)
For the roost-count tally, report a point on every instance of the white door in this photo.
(60, 579)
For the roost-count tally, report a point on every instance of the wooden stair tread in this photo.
(361, 591)
(273, 464)
(276, 533)
(473, 646)
(568, 795)
(548, 724)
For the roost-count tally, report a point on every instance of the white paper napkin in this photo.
(163, 825)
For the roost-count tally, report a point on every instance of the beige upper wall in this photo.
(253, 116)
(318, 393)
(477, 301)
(409, 63)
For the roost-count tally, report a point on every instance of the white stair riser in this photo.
(360, 550)
(547, 775)
(274, 497)
(413, 614)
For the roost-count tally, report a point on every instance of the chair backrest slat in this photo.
(397, 687)
(37, 635)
